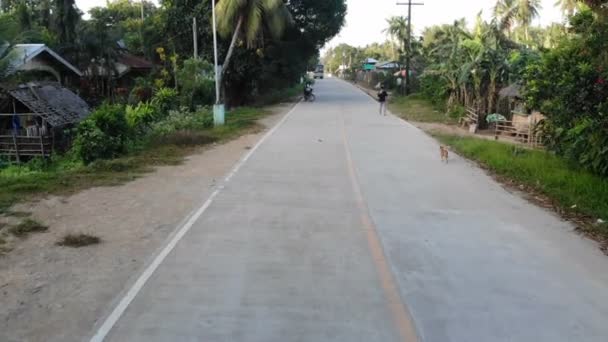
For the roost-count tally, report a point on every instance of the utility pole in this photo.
(408, 55)
(195, 37)
(218, 108)
(141, 28)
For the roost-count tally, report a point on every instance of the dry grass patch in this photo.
(26, 227)
(78, 240)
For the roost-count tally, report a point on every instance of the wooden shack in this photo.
(33, 117)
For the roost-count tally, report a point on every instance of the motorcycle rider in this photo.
(307, 90)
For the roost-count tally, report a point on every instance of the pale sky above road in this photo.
(367, 18)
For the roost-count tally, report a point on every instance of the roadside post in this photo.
(219, 110)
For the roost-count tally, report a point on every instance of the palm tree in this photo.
(397, 29)
(527, 10)
(568, 7)
(247, 19)
(504, 13)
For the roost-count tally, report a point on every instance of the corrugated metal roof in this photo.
(134, 62)
(21, 54)
(56, 104)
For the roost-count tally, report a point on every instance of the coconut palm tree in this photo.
(527, 11)
(505, 12)
(568, 7)
(248, 19)
(397, 29)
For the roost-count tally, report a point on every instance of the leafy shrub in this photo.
(111, 120)
(102, 135)
(140, 116)
(569, 84)
(197, 86)
(456, 111)
(434, 89)
(141, 92)
(164, 100)
(181, 120)
(92, 144)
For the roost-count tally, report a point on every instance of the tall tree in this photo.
(66, 18)
(568, 7)
(397, 29)
(505, 12)
(248, 19)
(527, 11)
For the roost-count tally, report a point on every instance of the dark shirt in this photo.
(382, 96)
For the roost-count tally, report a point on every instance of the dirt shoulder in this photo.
(54, 293)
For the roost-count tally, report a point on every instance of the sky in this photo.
(366, 19)
(86, 5)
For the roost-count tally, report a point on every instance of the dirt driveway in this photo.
(52, 293)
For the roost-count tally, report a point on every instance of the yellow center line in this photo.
(401, 316)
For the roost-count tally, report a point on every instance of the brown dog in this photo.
(444, 153)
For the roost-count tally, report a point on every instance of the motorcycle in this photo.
(309, 96)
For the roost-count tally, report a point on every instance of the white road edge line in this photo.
(122, 306)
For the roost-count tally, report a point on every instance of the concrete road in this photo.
(344, 226)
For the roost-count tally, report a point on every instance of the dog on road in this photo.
(444, 153)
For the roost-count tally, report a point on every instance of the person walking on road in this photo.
(382, 95)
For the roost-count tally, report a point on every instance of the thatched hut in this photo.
(512, 97)
(33, 117)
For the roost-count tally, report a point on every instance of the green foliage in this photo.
(182, 120)
(457, 111)
(275, 96)
(519, 61)
(104, 134)
(434, 88)
(569, 85)
(141, 116)
(92, 143)
(197, 85)
(164, 100)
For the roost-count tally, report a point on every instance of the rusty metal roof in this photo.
(55, 104)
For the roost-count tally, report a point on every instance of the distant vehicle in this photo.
(319, 71)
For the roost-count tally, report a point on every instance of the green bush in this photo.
(457, 111)
(92, 144)
(201, 94)
(104, 134)
(434, 89)
(141, 116)
(197, 86)
(570, 86)
(164, 100)
(183, 120)
(141, 92)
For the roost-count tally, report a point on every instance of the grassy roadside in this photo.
(64, 176)
(415, 108)
(575, 193)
